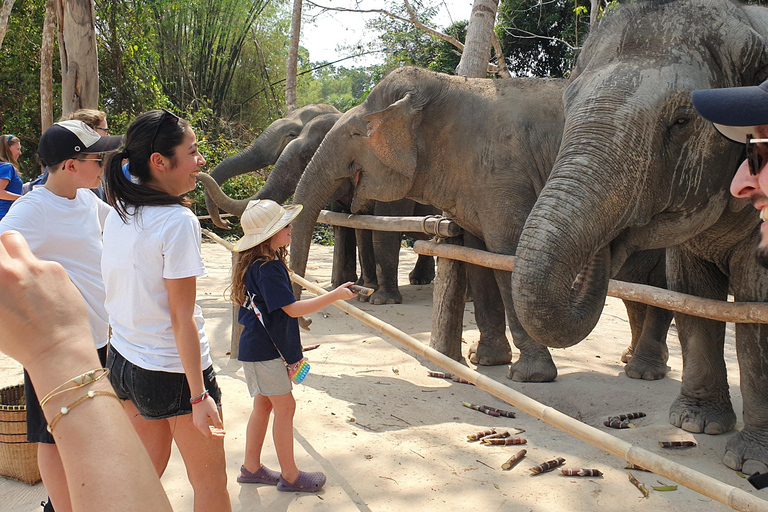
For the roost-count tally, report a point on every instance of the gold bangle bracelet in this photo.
(81, 380)
(66, 410)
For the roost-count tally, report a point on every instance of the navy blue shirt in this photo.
(268, 286)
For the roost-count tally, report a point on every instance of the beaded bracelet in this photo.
(65, 410)
(81, 380)
(199, 398)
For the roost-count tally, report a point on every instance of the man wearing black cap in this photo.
(62, 221)
(741, 114)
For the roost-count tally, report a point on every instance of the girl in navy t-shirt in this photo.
(10, 182)
(270, 341)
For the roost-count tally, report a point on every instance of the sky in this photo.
(333, 28)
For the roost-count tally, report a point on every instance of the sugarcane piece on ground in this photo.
(496, 435)
(628, 416)
(504, 442)
(617, 423)
(479, 435)
(513, 460)
(440, 375)
(677, 444)
(547, 466)
(481, 408)
(581, 472)
(310, 347)
(639, 485)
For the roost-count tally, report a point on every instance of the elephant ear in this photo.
(391, 135)
(747, 45)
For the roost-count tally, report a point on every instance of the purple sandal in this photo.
(307, 482)
(263, 476)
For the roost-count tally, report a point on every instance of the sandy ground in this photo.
(390, 438)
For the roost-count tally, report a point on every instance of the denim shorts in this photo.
(37, 426)
(156, 394)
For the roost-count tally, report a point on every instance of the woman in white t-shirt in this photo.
(159, 355)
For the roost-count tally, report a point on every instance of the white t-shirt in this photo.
(67, 231)
(160, 242)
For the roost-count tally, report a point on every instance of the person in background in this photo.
(10, 182)
(106, 465)
(159, 356)
(62, 222)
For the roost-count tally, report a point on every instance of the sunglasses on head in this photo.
(755, 160)
(163, 117)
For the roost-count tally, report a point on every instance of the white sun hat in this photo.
(262, 219)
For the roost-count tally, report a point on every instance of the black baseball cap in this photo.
(67, 139)
(735, 111)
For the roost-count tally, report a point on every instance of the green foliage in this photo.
(323, 234)
(404, 44)
(541, 38)
(20, 80)
(341, 87)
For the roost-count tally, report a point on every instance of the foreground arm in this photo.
(5, 194)
(307, 306)
(106, 464)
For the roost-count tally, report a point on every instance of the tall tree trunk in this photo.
(477, 47)
(5, 13)
(79, 58)
(291, 68)
(46, 65)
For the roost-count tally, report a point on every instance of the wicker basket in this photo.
(18, 458)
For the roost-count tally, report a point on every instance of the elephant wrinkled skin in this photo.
(480, 150)
(629, 117)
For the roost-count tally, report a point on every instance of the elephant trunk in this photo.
(563, 259)
(262, 152)
(226, 203)
(314, 190)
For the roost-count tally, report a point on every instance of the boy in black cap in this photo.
(741, 114)
(62, 221)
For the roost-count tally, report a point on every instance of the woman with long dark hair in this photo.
(10, 182)
(159, 354)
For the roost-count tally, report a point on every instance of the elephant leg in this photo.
(344, 265)
(535, 362)
(448, 306)
(704, 404)
(366, 253)
(648, 354)
(386, 246)
(424, 270)
(493, 347)
(748, 450)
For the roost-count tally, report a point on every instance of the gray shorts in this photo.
(268, 378)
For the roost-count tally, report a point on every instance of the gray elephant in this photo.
(480, 150)
(639, 169)
(267, 148)
(379, 252)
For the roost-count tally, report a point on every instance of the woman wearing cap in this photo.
(159, 355)
(10, 182)
(270, 340)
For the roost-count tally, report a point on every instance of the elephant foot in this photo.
(385, 297)
(532, 369)
(641, 368)
(699, 415)
(490, 354)
(747, 452)
(423, 272)
(304, 323)
(628, 354)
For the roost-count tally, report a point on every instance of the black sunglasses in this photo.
(754, 158)
(100, 158)
(166, 113)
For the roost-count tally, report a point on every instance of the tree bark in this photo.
(291, 68)
(5, 13)
(79, 57)
(46, 65)
(477, 47)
